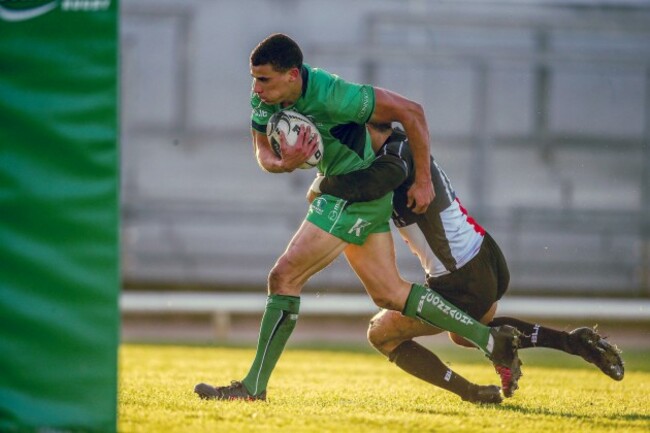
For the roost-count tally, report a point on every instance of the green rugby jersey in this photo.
(339, 109)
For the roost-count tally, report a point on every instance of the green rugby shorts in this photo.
(351, 222)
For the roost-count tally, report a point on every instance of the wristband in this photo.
(315, 185)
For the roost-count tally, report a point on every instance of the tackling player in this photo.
(461, 261)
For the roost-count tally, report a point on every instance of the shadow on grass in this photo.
(567, 414)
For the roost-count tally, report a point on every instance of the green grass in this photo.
(359, 391)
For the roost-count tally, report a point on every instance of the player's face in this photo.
(271, 86)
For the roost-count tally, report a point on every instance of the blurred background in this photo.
(539, 112)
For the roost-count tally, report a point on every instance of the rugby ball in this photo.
(289, 122)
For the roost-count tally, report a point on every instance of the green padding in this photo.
(59, 272)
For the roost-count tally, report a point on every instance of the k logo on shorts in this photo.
(358, 227)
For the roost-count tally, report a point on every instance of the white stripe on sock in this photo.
(268, 343)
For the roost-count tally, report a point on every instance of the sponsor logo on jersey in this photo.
(365, 104)
(261, 113)
(21, 10)
(358, 227)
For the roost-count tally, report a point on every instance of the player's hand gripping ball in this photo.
(289, 122)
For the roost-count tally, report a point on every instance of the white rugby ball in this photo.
(289, 122)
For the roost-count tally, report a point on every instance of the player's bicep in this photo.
(390, 107)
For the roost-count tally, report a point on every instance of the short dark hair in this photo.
(278, 50)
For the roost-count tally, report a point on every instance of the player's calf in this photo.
(460, 341)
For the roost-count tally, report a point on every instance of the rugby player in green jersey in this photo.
(340, 110)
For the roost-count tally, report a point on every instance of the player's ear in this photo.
(294, 73)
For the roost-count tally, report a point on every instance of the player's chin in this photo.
(269, 101)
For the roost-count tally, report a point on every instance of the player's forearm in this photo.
(384, 175)
(416, 128)
(266, 158)
(390, 107)
(270, 163)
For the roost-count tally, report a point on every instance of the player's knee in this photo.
(376, 336)
(459, 340)
(279, 280)
(275, 279)
(285, 280)
(381, 333)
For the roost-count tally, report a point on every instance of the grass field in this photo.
(359, 391)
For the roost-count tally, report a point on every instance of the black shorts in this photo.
(477, 285)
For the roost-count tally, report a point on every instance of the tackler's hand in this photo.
(420, 195)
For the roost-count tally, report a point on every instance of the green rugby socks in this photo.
(428, 306)
(281, 314)
(279, 319)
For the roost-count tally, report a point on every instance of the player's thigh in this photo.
(374, 264)
(310, 250)
(487, 317)
(388, 329)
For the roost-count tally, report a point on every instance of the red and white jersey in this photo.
(445, 237)
(457, 240)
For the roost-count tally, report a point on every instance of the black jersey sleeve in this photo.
(386, 173)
